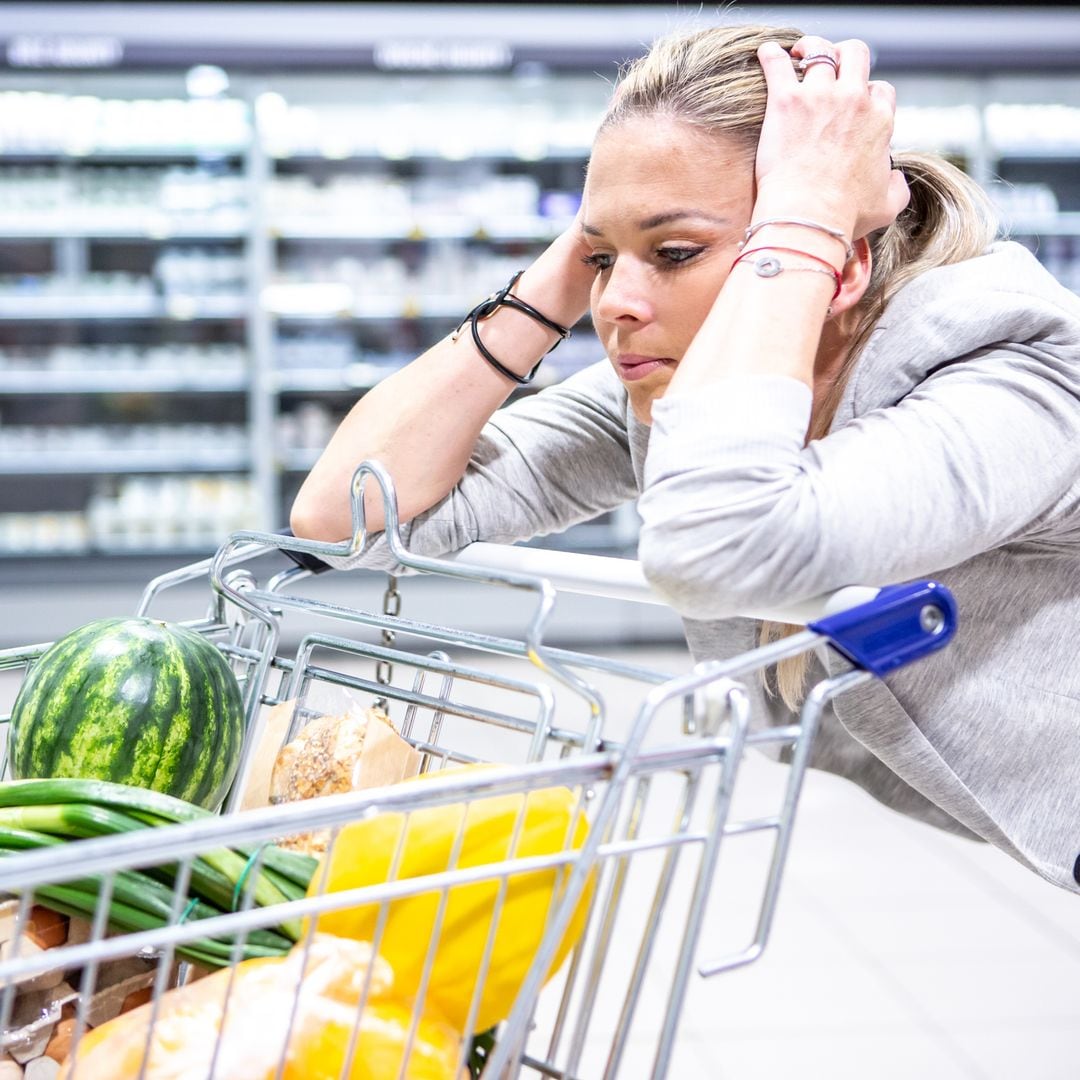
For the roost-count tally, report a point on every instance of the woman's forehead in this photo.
(658, 164)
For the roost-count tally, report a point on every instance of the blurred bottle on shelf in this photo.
(52, 532)
(160, 513)
(200, 271)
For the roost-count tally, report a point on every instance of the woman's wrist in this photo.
(783, 200)
(815, 244)
(557, 286)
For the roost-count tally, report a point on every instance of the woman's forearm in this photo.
(766, 326)
(422, 422)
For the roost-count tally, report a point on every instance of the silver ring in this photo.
(820, 58)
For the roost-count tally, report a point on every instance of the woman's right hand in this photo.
(824, 147)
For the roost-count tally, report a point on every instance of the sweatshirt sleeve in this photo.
(738, 514)
(541, 464)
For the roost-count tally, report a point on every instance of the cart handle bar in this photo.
(876, 629)
(623, 579)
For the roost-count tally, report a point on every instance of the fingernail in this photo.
(770, 48)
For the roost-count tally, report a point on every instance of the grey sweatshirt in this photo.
(955, 454)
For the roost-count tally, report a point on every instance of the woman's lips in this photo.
(633, 367)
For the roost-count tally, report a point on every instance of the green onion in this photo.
(49, 812)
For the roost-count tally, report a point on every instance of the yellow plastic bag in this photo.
(364, 855)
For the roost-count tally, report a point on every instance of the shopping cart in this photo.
(656, 791)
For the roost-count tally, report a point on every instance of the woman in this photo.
(821, 371)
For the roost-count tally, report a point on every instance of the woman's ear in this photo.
(855, 278)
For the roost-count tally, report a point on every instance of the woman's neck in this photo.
(829, 372)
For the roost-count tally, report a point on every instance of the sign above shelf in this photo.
(478, 37)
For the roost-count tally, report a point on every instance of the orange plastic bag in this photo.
(249, 1025)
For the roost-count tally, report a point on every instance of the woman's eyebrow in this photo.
(677, 215)
(664, 219)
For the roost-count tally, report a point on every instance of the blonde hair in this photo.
(712, 79)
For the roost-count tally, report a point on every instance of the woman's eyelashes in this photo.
(667, 258)
(598, 260)
(676, 256)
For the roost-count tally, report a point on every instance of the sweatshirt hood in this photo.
(1004, 299)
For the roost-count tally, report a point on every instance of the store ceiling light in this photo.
(206, 81)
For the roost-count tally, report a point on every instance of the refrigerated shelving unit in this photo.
(369, 175)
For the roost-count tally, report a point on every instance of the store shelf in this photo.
(121, 460)
(172, 550)
(348, 220)
(121, 382)
(149, 230)
(1044, 154)
(298, 460)
(391, 309)
(494, 154)
(129, 155)
(54, 308)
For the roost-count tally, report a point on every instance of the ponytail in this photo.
(948, 219)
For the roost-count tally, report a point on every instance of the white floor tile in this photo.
(881, 1054)
(960, 928)
(1053, 909)
(774, 997)
(1032, 1051)
(957, 991)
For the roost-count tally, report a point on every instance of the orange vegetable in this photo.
(250, 1024)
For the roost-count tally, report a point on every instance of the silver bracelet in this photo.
(768, 266)
(836, 234)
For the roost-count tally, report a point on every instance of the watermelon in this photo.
(135, 701)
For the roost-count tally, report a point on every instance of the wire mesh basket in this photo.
(544, 882)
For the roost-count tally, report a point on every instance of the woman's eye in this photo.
(677, 255)
(598, 260)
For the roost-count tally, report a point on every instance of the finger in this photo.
(854, 61)
(776, 64)
(883, 102)
(883, 91)
(812, 43)
(808, 48)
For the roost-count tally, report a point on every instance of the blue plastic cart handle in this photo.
(901, 624)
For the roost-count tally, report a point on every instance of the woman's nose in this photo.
(624, 295)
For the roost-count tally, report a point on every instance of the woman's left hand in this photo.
(824, 147)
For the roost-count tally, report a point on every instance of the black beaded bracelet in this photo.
(505, 298)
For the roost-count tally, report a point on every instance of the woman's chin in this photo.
(643, 392)
(641, 401)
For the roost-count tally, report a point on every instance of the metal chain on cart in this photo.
(384, 670)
